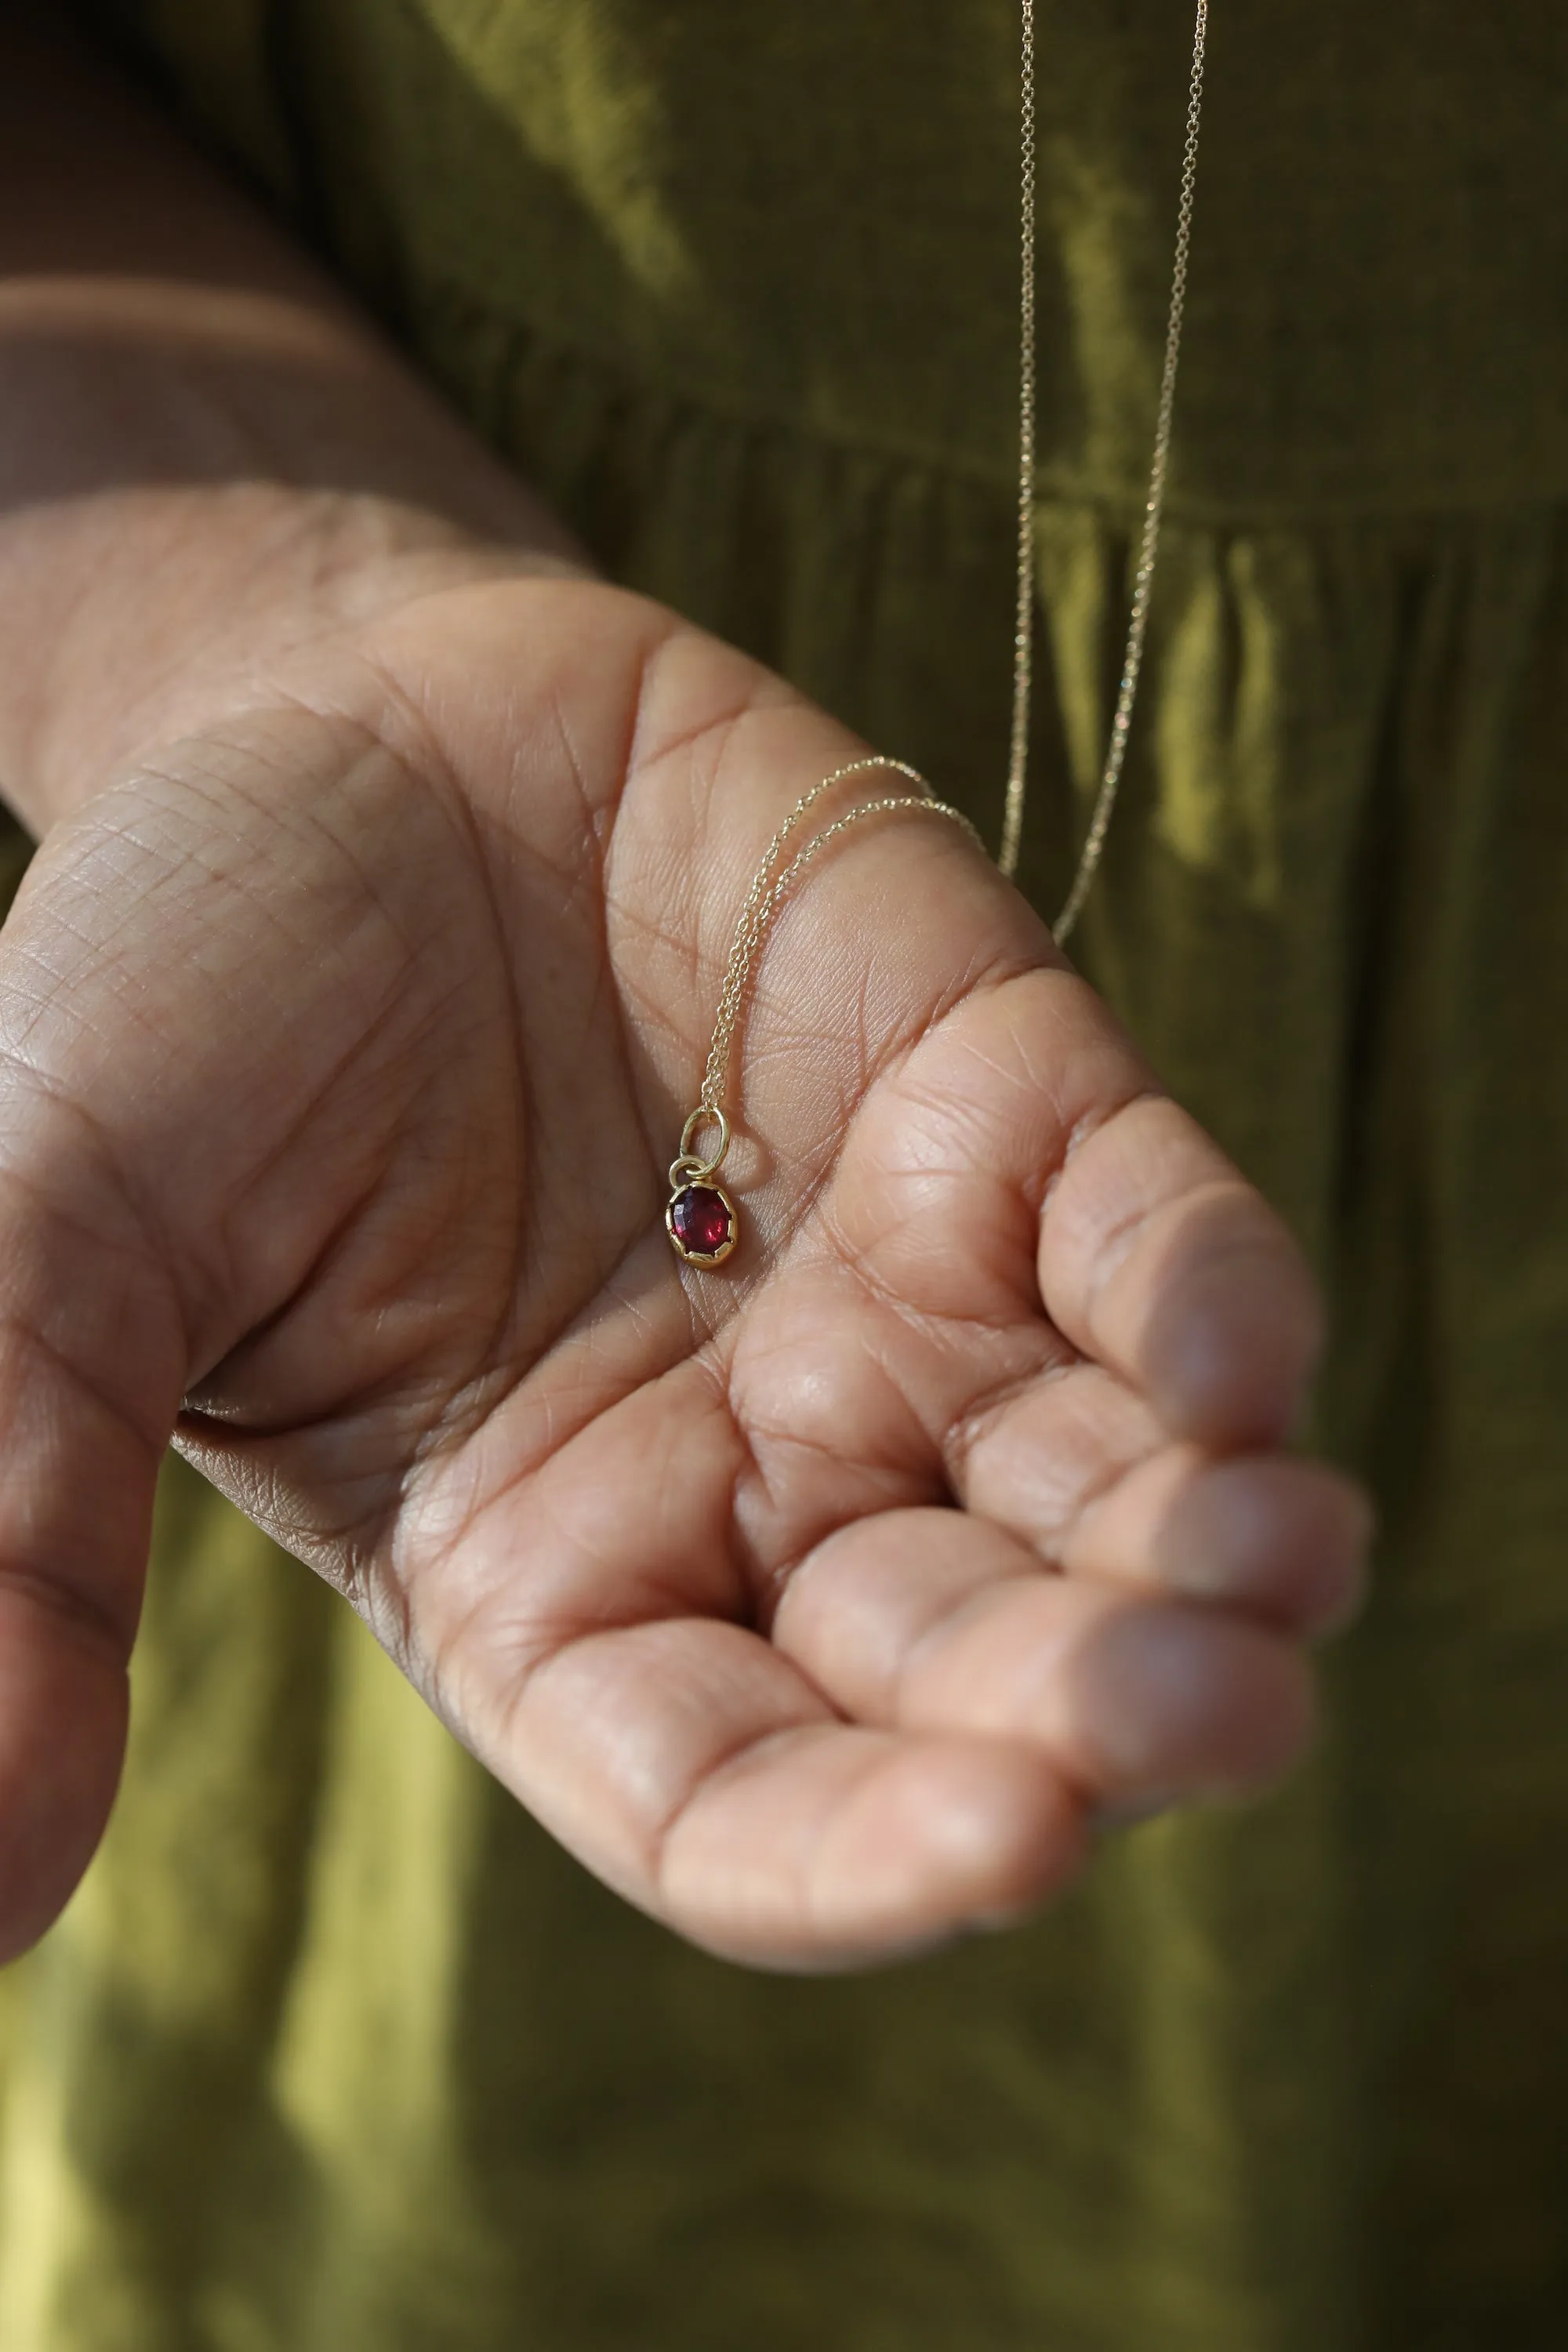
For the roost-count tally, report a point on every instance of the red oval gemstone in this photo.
(701, 1220)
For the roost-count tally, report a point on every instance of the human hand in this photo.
(817, 1603)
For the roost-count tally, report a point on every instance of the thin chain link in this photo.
(1024, 613)
(1154, 508)
(770, 888)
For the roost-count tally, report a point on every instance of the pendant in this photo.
(699, 1217)
(701, 1222)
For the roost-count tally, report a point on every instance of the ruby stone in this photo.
(702, 1220)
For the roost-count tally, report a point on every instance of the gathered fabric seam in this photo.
(1120, 505)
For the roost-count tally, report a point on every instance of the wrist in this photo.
(132, 617)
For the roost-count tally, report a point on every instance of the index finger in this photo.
(1159, 1260)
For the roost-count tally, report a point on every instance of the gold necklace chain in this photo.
(700, 1217)
(1155, 506)
(766, 894)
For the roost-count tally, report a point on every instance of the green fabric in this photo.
(335, 2052)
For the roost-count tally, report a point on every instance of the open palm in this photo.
(815, 1601)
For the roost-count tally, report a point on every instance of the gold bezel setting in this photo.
(703, 1258)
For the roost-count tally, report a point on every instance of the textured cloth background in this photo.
(335, 2052)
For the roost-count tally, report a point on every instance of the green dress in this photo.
(336, 2052)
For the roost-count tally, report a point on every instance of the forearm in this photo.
(202, 444)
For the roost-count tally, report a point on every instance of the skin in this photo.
(348, 1018)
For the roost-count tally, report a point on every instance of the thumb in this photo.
(91, 1370)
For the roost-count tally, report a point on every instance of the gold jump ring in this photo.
(697, 1169)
